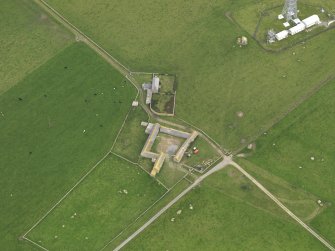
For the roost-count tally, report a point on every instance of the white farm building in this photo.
(151, 88)
(296, 29)
(155, 84)
(281, 35)
(310, 21)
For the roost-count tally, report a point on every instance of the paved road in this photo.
(282, 206)
(226, 162)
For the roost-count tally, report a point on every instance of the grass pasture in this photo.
(300, 150)
(28, 38)
(44, 149)
(172, 193)
(229, 213)
(197, 42)
(170, 174)
(108, 201)
(132, 137)
(296, 199)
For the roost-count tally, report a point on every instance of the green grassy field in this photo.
(105, 204)
(297, 199)
(216, 79)
(43, 148)
(132, 137)
(228, 213)
(300, 150)
(172, 193)
(28, 38)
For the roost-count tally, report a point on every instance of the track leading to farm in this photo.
(282, 206)
(226, 162)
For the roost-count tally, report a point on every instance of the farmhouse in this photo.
(159, 158)
(151, 88)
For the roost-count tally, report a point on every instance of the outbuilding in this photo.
(155, 84)
(297, 21)
(286, 24)
(296, 29)
(282, 35)
(280, 16)
(312, 20)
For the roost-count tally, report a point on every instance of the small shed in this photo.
(297, 21)
(282, 35)
(312, 20)
(296, 29)
(280, 16)
(286, 24)
(134, 104)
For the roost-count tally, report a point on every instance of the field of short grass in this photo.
(303, 203)
(225, 213)
(105, 204)
(132, 137)
(44, 148)
(28, 38)
(300, 150)
(172, 193)
(216, 79)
